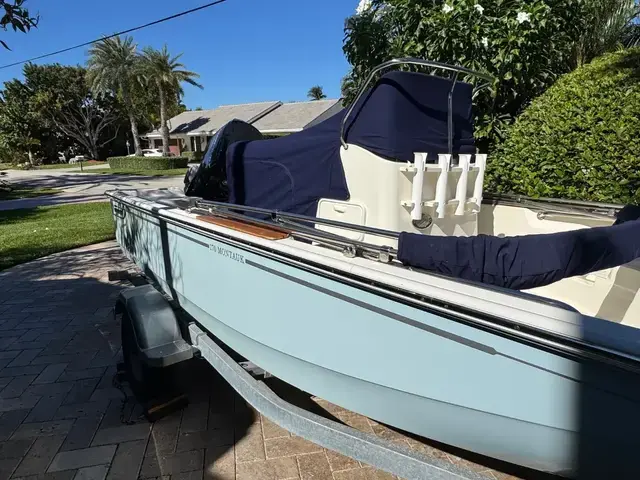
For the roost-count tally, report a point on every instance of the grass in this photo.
(23, 191)
(27, 234)
(127, 171)
(55, 166)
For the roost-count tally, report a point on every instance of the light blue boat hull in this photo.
(395, 363)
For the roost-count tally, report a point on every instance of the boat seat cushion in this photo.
(523, 262)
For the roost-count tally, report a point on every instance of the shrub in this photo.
(148, 163)
(580, 139)
(194, 157)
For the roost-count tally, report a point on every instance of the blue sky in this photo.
(244, 50)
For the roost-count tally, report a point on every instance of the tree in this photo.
(524, 44)
(69, 106)
(113, 67)
(145, 103)
(167, 73)
(16, 16)
(88, 122)
(611, 24)
(316, 93)
(20, 123)
(43, 114)
(51, 87)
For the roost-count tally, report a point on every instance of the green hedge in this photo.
(147, 163)
(193, 156)
(580, 139)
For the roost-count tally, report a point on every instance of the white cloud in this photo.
(524, 17)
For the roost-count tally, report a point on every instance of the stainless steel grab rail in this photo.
(424, 63)
(524, 200)
(551, 207)
(279, 216)
(292, 224)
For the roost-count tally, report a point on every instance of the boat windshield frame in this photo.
(457, 70)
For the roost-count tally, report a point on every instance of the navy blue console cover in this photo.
(289, 173)
(523, 262)
(402, 114)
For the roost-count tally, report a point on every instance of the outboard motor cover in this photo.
(191, 173)
(209, 179)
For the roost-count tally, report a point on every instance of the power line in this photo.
(140, 27)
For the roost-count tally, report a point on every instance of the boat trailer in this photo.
(153, 338)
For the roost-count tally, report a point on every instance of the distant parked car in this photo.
(151, 152)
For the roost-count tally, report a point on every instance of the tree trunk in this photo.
(132, 119)
(93, 148)
(30, 156)
(163, 120)
(134, 132)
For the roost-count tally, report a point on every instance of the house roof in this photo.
(247, 112)
(198, 122)
(268, 117)
(293, 117)
(184, 122)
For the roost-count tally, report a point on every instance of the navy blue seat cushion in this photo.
(523, 262)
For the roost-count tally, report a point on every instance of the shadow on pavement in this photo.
(59, 309)
(80, 179)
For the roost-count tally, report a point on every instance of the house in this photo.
(191, 130)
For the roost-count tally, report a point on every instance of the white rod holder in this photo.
(419, 160)
(481, 164)
(444, 162)
(461, 189)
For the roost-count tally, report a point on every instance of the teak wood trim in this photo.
(244, 227)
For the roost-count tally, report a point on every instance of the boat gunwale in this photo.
(510, 328)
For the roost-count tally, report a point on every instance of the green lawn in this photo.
(32, 233)
(55, 166)
(127, 171)
(23, 191)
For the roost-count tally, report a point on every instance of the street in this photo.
(78, 187)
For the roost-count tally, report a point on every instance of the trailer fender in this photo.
(154, 326)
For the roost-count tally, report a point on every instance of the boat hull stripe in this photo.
(407, 321)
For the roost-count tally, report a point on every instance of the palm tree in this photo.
(611, 24)
(113, 66)
(316, 93)
(167, 73)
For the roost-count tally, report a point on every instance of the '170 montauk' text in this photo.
(227, 253)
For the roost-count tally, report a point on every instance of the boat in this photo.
(341, 260)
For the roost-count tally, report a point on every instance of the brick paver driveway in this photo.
(61, 417)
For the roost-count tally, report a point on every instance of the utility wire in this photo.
(140, 27)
